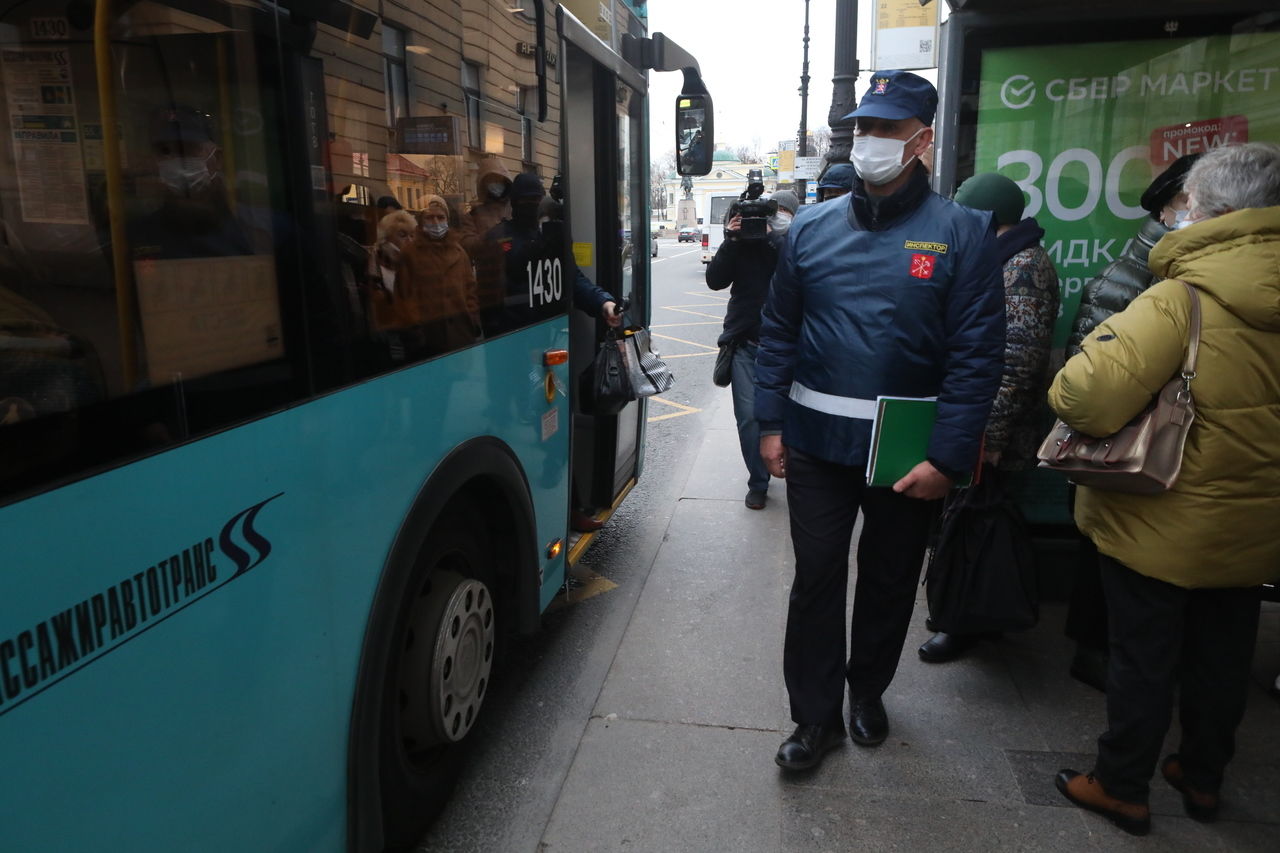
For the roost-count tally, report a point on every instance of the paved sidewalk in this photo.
(678, 755)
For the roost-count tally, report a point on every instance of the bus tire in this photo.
(441, 667)
(473, 519)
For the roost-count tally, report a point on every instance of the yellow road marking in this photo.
(684, 410)
(695, 313)
(692, 354)
(677, 325)
(707, 295)
(582, 584)
(694, 305)
(683, 341)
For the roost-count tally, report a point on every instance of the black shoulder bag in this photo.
(982, 575)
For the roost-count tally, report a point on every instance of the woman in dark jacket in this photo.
(1031, 296)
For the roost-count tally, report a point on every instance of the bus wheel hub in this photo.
(462, 660)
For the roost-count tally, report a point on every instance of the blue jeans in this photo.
(744, 409)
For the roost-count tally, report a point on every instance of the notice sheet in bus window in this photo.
(202, 315)
(46, 141)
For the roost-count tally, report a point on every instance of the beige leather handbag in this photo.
(1145, 456)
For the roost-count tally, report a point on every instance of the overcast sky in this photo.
(751, 55)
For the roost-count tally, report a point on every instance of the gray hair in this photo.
(1234, 177)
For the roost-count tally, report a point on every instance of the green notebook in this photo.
(900, 438)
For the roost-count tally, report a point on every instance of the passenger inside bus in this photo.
(194, 218)
(426, 292)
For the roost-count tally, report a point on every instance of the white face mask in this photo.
(879, 160)
(435, 229)
(496, 190)
(780, 221)
(185, 174)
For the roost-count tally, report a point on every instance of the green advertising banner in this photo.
(1084, 128)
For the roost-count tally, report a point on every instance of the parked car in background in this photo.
(689, 235)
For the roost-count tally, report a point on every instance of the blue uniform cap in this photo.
(896, 95)
(839, 176)
(181, 124)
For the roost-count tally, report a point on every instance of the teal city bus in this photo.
(290, 428)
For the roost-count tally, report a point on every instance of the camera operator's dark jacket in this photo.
(1119, 283)
(904, 300)
(747, 265)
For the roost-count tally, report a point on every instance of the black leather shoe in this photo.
(807, 745)
(756, 500)
(941, 648)
(868, 722)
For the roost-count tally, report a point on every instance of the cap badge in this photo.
(882, 83)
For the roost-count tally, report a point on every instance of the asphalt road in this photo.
(538, 710)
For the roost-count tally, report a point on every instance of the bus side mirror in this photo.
(695, 134)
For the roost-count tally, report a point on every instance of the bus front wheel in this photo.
(444, 652)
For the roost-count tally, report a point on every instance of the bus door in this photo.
(604, 183)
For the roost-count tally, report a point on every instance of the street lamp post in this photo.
(802, 143)
(843, 99)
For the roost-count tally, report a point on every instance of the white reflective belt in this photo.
(845, 407)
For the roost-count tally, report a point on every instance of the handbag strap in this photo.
(1193, 334)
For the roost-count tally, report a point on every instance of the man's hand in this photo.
(923, 482)
(611, 315)
(734, 224)
(774, 455)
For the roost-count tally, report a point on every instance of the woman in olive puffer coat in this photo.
(1110, 291)
(1182, 570)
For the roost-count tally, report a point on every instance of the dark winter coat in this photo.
(1019, 413)
(903, 300)
(1118, 284)
(746, 266)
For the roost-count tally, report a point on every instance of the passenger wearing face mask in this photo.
(492, 205)
(523, 277)
(1107, 293)
(899, 293)
(1120, 282)
(194, 219)
(745, 267)
(435, 287)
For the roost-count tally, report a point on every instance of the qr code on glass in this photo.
(926, 45)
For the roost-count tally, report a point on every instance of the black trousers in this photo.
(824, 499)
(1087, 609)
(1163, 635)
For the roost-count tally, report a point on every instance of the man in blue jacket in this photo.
(892, 291)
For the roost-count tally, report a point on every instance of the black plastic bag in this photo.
(982, 574)
(607, 388)
(722, 373)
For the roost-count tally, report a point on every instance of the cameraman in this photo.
(746, 265)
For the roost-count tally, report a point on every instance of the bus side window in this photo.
(141, 289)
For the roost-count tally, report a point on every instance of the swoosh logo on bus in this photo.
(49, 649)
(244, 521)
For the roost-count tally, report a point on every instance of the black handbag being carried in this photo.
(606, 387)
(722, 373)
(982, 576)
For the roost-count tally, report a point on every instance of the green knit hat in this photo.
(995, 193)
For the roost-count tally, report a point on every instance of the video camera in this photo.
(755, 211)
